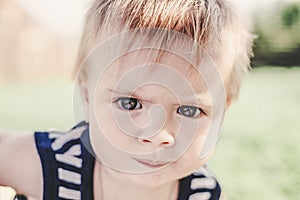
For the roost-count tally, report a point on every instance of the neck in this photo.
(110, 184)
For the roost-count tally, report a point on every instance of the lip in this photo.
(151, 163)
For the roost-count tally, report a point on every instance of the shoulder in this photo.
(20, 166)
(60, 148)
(26, 158)
(67, 164)
(201, 184)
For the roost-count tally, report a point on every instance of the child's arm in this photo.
(20, 166)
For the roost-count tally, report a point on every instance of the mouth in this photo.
(151, 163)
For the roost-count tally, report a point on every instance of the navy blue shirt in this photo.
(68, 168)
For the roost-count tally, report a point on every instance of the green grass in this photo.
(258, 155)
(36, 105)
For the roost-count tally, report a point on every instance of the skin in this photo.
(20, 164)
(19, 152)
(106, 101)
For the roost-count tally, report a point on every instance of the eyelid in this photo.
(142, 101)
(118, 99)
(202, 111)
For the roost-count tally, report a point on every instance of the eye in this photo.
(190, 111)
(128, 103)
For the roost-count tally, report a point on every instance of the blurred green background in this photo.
(258, 155)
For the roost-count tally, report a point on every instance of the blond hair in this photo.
(211, 23)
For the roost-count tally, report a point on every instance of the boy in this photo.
(155, 79)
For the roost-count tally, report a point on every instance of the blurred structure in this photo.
(29, 51)
(278, 42)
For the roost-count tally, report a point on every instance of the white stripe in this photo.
(69, 159)
(53, 135)
(74, 150)
(69, 193)
(69, 176)
(59, 142)
(200, 196)
(207, 182)
(202, 171)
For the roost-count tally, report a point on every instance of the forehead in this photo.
(154, 66)
(139, 68)
(171, 75)
(152, 46)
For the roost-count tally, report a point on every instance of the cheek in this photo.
(191, 157)
(105, 119)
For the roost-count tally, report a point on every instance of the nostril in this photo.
(158, 141)
(165, 143)
(146, 141)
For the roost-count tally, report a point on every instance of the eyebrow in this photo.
(128, 93)
(199, 98)
(119, 92)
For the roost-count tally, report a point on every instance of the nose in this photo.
(162, 139)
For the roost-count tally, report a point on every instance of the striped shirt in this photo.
(68, 168)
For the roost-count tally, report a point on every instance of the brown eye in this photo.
(128, 103)
(190, 111)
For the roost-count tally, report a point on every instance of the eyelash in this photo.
(128, 99)
(196, 111)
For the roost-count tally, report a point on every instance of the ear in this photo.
(229, 100)
(84, 94)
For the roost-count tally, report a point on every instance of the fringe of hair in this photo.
(213, 24)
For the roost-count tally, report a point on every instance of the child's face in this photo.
(150, 119)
